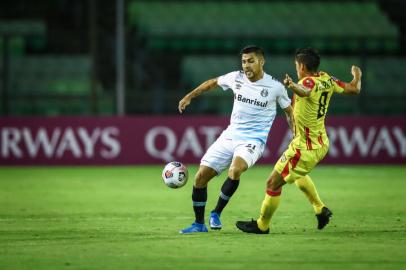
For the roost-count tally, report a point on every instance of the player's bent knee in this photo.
(270, 185)
(202, 178)
(272, 189)
(235, 172)
(201, 183)
(275, 182)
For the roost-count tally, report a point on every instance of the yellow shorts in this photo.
(296, 163)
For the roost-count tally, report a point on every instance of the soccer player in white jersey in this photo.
(242, 143)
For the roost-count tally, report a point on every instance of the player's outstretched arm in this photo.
(298, 89)
(204, 87)
(354, 87)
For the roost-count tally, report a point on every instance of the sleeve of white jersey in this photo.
(226, 81)
(283, 98)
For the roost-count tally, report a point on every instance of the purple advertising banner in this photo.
(157, 140)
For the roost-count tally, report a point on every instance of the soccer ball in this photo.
(175, 174)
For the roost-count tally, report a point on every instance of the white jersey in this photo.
(254, 108)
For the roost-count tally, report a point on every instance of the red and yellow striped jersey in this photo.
(310, 112)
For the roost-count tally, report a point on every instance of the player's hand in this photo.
(356, 72)
(183, 103)
(287, 81)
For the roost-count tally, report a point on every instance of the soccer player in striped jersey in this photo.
(310, 144)
(243, 142)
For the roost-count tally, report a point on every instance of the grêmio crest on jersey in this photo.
(264, 92)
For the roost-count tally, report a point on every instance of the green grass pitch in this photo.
(126, 218)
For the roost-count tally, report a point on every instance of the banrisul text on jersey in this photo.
(250, 101)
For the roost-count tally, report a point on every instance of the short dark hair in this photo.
(309, 57)
(253, 49)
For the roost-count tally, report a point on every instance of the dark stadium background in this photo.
(60, 57)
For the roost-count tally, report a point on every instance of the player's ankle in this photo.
(262, 225)
(318, 208)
